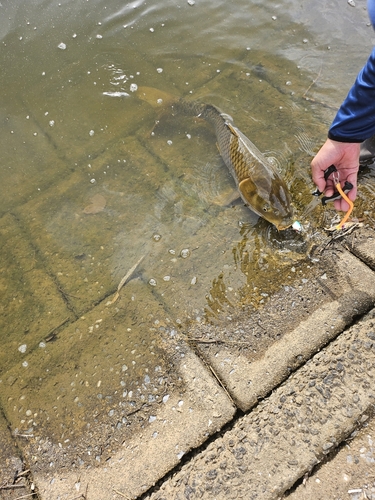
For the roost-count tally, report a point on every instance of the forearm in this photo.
(355, 120)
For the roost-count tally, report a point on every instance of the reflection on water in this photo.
(90, 173)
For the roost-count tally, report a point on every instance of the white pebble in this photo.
(185, 252)
(133, 87)
(62, 46)
(159, 70)
(22, 348)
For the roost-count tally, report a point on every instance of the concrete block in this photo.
(265, 453)
(253, 353)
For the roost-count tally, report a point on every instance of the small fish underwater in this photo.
(259, 184)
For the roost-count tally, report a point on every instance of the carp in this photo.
(259, 183)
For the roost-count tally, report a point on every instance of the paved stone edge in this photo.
(287, 434)
(251, 381)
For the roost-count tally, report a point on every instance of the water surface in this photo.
(93, 178)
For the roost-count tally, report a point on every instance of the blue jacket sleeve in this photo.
(355, 120)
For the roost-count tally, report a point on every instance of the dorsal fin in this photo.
(233, 129)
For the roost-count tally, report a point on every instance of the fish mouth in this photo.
(284, 224)
(283, 228)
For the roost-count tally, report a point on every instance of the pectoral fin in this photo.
(229, 198)
(247, 189)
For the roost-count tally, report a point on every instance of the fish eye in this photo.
(266, 208)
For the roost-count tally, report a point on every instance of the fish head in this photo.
(270, 200)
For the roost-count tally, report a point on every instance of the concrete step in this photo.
(266, 451)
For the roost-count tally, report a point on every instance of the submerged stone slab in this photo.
(32, 307)
(30, 163)
(90, 234)
(114, 400)
(253, 353)
(289, 432)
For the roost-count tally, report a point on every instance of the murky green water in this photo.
(72, 129)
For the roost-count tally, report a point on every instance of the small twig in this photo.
(23, 473)
(51, 335)
(124, 280)
(12, 486)
(137, 410)
(221, 384)
(25, 496)
(315, 100)
(215, 341)
(313, 82)
(119, 493)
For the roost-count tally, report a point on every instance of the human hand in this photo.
(345, 157)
